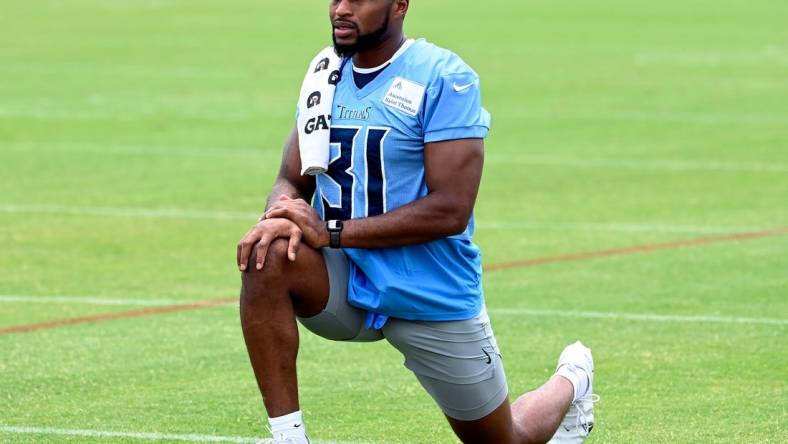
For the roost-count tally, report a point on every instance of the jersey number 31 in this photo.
(339, 170)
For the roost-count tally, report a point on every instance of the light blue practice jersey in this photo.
(378, 132)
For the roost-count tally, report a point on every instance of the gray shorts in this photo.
(457, 362)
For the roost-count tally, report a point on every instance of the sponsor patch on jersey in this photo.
(405, 96)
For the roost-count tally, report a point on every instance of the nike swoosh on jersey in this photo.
(461, 88)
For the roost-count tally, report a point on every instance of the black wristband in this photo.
(334, 228)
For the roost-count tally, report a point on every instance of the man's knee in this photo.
(276, 255)
(272, 273)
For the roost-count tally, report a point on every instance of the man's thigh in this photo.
(457, 362)
(339, 321)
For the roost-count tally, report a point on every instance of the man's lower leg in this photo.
(271, 299)
(271, 335)
(537, 414)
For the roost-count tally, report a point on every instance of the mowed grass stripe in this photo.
(128, 70)
(25, 328)
(669, 165)
(75, 113)
(155, 213)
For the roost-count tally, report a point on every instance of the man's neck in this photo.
(380, 54)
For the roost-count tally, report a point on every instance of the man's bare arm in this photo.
(290, 182)
(453, 172)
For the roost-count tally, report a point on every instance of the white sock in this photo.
(290, 425)
(577, 377)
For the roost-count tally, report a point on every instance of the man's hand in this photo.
(262, 234)
(302, 214)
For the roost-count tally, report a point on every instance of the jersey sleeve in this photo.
(453, 109)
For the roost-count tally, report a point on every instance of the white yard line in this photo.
(149, 436)
(613, 227)
(649, 317)
(154, 213)
(184, 213)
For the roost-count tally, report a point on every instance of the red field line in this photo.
(637, 249)
(25, 328)
(647, 248)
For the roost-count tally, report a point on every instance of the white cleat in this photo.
(579, 420)
(282, 438)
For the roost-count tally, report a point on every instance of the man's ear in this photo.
(400, 8)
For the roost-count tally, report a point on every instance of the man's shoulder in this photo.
(439, 61)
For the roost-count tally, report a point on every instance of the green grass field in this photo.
(138, 140)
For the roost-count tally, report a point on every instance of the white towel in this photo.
(314, 111)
